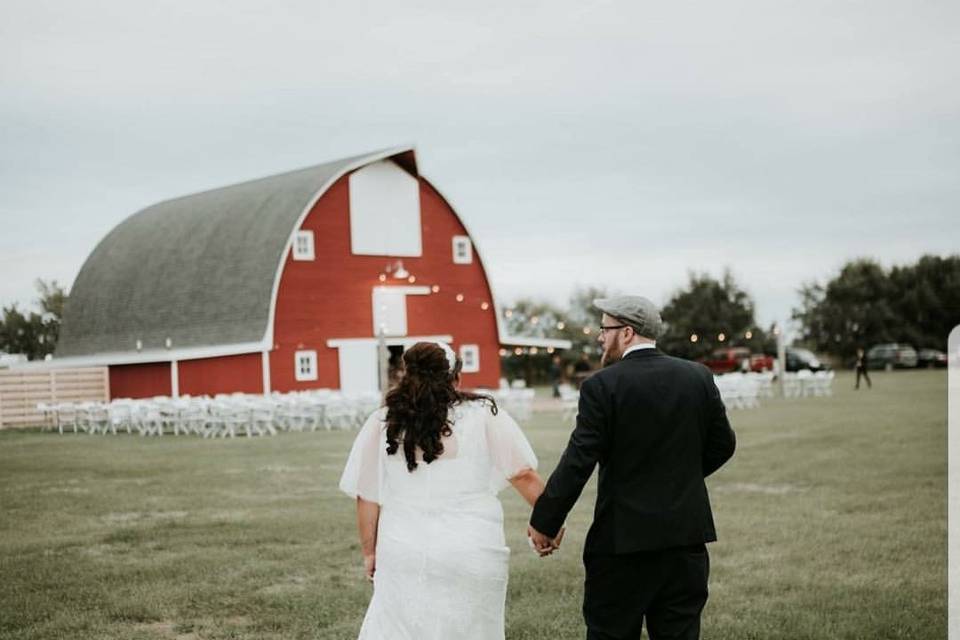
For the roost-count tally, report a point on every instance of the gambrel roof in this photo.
(201, 271)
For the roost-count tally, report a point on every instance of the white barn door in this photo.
(358, 367)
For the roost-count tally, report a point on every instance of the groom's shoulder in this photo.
(687, 368)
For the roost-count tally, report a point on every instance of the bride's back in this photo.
(462, 471)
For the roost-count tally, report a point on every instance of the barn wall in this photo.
(227, 374)
(140, 380)
(330, 297)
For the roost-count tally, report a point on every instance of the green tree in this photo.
(927, 300)
(35, 334)
(864, 305)
(707, 314)
(576, 323)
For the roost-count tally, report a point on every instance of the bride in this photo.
(425, 471)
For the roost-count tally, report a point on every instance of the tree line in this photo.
(862, 305)
(865, 304)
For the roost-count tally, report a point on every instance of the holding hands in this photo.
(543, 544)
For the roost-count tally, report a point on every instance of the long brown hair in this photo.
(417, 408)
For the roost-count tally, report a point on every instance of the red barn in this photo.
(284, 283)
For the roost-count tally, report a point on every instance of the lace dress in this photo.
(442, 560)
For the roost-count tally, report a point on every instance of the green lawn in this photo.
(831, 517)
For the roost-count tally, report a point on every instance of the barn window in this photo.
(470, 354)
(305, 365)
(303, 246)
(462, 250)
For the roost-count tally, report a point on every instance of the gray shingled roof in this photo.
(198, 269)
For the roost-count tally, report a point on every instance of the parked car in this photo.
(931, 358)
(737, 359)
(891, 356)
(798, 359)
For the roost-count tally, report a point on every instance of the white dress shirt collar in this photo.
(637, 347)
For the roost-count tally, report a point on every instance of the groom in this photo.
(657, 427)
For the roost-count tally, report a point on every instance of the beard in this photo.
(611, 355)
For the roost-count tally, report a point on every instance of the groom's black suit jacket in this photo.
(657, 427)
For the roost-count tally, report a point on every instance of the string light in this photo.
(550, 349)
(534, 320)
(721, 337)
(459, 297)
(412, 279)
(586, 331)
(748, 335)
(518, 351)
(485, 305)
(533, 351)
(508, 313)
(435, 288)
(561, 326)
(383, 277)
(694, 337)
(503, 352)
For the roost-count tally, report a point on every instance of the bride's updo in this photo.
(417, 408)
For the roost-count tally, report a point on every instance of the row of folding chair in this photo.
(219, 416)
(739, 390)
(806, 383)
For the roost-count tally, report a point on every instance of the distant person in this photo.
(862, 369)
(556, 374)
(656, 426)
(582, 369)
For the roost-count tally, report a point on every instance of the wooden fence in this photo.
(21, 391)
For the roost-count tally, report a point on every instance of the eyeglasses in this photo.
(604, 329)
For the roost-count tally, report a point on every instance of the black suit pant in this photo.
(667, 588)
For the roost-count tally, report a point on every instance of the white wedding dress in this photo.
(441, 570)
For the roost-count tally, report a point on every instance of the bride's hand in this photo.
(554, 544)
(369, 566)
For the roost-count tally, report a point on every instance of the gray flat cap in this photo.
(636, 311)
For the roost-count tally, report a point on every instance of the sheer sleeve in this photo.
(510, 452)
(363, 475)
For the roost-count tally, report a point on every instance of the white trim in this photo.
(174, 379)
(308, 253)
(267, 341)
(265, 369)
(524, 341)
(468, 258)
(391, 341)
(475, 350)
(134, 357)
(311, 374)
(409, 291)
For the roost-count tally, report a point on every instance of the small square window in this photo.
(305, 365)
(303, 246)
(470, 354)
(462, 250)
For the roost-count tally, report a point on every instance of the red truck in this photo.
(737, 359)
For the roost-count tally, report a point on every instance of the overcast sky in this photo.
(617, 143)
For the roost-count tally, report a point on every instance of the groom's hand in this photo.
(543, 544)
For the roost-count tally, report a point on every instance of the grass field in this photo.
(831, 517)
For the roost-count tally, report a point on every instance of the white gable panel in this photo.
(358, 367)
(384, 211)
